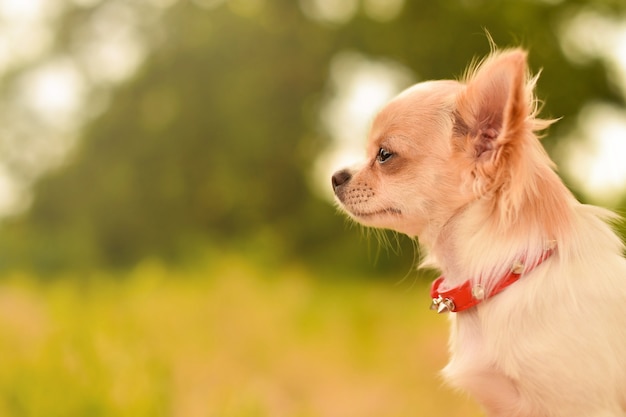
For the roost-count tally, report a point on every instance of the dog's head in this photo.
(441, 145)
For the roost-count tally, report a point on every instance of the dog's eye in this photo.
(383, 155)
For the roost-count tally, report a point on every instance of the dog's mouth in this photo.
(367, 214)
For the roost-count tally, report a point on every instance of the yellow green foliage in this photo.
(224, 340)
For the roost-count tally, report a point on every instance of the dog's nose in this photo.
(340, 177)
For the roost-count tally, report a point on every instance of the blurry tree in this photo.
(207, 143)
(212, 142)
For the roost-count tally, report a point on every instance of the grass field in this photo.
(223, 340)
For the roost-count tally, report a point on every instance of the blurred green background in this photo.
(168, 241)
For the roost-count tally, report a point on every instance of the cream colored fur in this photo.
(459, 165)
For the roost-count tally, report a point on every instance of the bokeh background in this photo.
(168, 241)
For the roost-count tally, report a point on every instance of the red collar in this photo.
(467, 295)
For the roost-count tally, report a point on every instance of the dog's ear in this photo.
(494, 105)
(492, 112)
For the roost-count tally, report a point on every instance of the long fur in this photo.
(469, 177)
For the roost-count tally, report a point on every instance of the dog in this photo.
(534, 281)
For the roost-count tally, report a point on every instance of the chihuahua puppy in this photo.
(535, 282)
